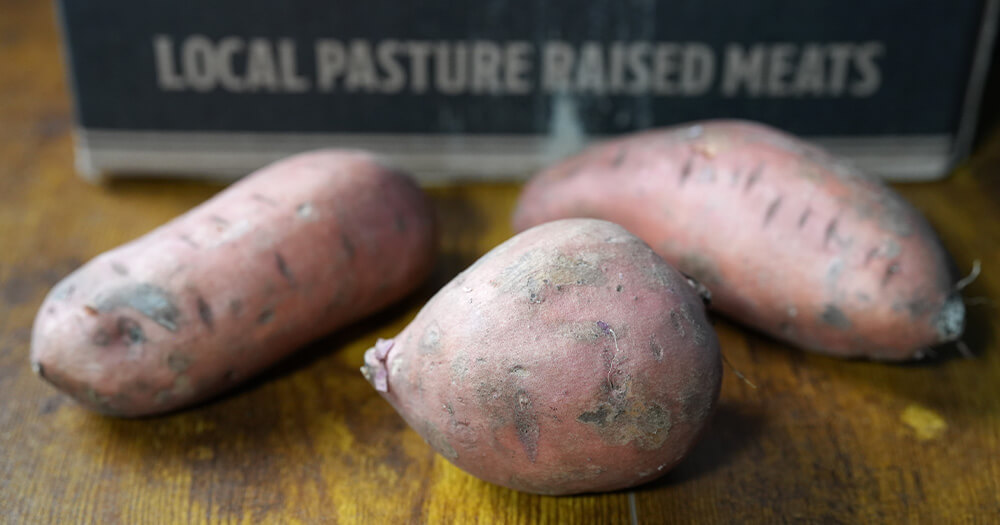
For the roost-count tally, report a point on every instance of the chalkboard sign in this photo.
(498, 88)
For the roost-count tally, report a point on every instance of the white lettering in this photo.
(331, 63)
(228, 47)
(778, 69)
(871, 76)
(291, 81)
(419, 51)
(486, 67)
(395, 78)
(166, 71)
(590, 73)
(698, 69)
(451, 68)
(665, 58)
(262, 72)
(558, 59)
(810, 79)
(197, 61)
(361, 74)
(517, 65)
(840, 55)
(616, 67)
(744, 69)
(638, 55)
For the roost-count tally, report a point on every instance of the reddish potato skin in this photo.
(289, 253)
(569, 359)
(788, 239)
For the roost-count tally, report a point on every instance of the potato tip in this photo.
(951, 319)
(382, 347)
(375, 370)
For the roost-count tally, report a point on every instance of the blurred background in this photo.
(499, 89)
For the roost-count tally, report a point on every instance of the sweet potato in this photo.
(291, 252)
(569, 359)
(789, 239)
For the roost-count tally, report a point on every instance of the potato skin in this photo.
(569, 359)
(789, 240)
(291, 252)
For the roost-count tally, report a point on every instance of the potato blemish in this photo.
(537, 270)
(527, 426)
(147, 299)
(631, 420)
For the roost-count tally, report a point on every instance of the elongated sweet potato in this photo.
(788, 239)
(569, 359)
(291, 252)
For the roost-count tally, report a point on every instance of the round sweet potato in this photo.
(569, 359)
(289, 253)
(789, 239)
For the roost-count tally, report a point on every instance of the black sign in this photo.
(501, 67)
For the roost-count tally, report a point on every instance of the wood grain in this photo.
(818, 441)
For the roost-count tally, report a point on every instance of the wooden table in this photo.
(819, 440)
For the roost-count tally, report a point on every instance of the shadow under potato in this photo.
(321, 348)
(249, 414)
(977, 337)
(732, 429)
